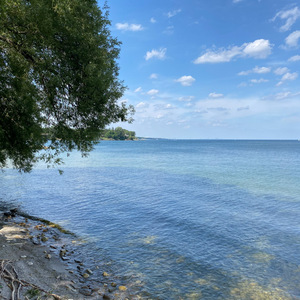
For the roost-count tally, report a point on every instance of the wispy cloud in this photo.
(186, 80)
(236, 1)
(258, 49)
(261, 80)
(129, 27)
(215, 95)
(281, 70)
(153, 92)
(159, 54)
(292, 39)
(153, 76)
(137, 90)
(294, 58)
(152, 20)
(290, 16)
(173, 13)
(257, 70)
(287, 77)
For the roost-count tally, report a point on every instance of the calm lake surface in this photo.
(179, 219)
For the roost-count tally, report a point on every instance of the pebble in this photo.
(106, 297)
(89, 271)
(86, 291)
(86, 275)
(122, 288)
(105, 274)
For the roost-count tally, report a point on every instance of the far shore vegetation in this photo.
(118, 133)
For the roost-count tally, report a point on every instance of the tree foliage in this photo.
(119, 134)
(58, 70)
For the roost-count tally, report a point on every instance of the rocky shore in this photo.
(38, 261)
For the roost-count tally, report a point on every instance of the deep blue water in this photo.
(180, 219)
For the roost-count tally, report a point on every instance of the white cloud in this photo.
(142, 105)
(257, 70)
(292, 39)
(139, 89)
(294, 58)
(281, 71)
(215, 95)
(159, 54)
(236, 1)
(290, 16)
(258, 49)
(152, 92)
(129, 27)
(289, 76)
(281, 96)
(186, 98)
(152, 20)
(218, 56)
(259, 80)
(261, 70)
(173, 13)
(153, 76)
(186, 80)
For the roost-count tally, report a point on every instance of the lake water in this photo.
(179, 219)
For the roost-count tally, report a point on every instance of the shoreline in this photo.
(41, 260)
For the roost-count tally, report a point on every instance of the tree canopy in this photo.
(118, 133)
(58, 71)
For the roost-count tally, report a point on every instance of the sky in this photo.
(217, 69)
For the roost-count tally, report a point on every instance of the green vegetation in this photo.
(118, 134)
(58, 70)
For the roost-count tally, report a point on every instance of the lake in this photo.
(179, 219)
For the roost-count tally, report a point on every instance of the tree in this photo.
(59, 79)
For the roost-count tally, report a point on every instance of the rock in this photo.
(113, 284)
(105, 274)
(77, 261)
(89, 271)
(48, 256)
(106, 297)
(86, 275)
(86, 291)
(122, 288)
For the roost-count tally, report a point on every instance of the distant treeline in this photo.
(118, 134)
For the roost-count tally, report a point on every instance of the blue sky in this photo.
(210, 69)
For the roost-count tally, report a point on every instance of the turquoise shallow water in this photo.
(180, 219)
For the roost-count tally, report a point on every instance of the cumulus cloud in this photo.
(258, 49)
(153, 92)
(215, 95)
(159, 54)
(186, 80)
(281, 71)
(292, 39)
(173, 13)
(257, 70)
(294, 58)
(129, 27)
(289, 16)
